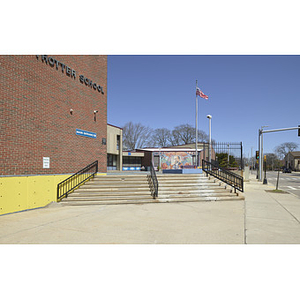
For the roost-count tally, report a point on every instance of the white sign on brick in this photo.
(46, 162)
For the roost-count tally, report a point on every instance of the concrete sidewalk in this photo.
(270, 218)
(163, 223)
(263, 218)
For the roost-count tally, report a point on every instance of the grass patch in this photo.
(276, 191)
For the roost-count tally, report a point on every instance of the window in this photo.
(132, 161)
(111, 160)
(118, 142)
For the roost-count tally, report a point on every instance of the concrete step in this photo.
(146, 191)
(162, 187)
(193, 181)
(182, 177)
(134, 189)
(106, 181)
(113, 189)
(110, 202)
(192, 191)
(197, 199)
(145, 184)
(119, 178)
(136, 196)
(148, 200)
(113, 186)
(191, 184)
(97, 198)
(107, 194)
(191, 195)
(92, 193)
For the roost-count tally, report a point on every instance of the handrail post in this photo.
(154, 181)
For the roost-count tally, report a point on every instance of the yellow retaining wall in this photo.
(27, 192)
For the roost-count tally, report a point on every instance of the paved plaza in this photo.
(263, 218)
(162, 223)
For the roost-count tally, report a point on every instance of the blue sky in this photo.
(245, 93)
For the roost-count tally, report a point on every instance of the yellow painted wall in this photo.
(27, 192)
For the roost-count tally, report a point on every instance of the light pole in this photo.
(196, 143)
(209, 145)
(260, 143)
(261, 150)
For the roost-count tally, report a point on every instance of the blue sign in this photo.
(131, 168)
(86, 133)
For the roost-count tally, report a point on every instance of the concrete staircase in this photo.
(193, 187)
(134, 189)
(112, 189)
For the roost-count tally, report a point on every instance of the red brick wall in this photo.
(35, 119)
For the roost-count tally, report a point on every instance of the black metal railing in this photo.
(65, 187)
(153, 182)
(230, 178)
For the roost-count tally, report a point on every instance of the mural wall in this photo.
(176, 160)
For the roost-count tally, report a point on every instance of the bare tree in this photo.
(203, 137)
(183, 134)
(283, 149)
(161, 137)
(273, 161)
(139, 136)
(186, 134)
(135, 135)
(175, 138)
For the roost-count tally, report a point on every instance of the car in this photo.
(286, 170)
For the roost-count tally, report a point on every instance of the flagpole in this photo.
(196, 142)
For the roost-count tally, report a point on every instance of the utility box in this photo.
(246, 174)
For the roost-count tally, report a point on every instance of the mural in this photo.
(176, 160)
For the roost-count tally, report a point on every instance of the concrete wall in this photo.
(18, 193)
(27, 192)
(112, 133)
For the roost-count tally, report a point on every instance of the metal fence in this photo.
(227, 154)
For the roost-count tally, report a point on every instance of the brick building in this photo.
(53, 115)
(292, 161)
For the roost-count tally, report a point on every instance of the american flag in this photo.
(201, 94)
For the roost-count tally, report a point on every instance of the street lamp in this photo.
(209, 145)
(261, 152)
